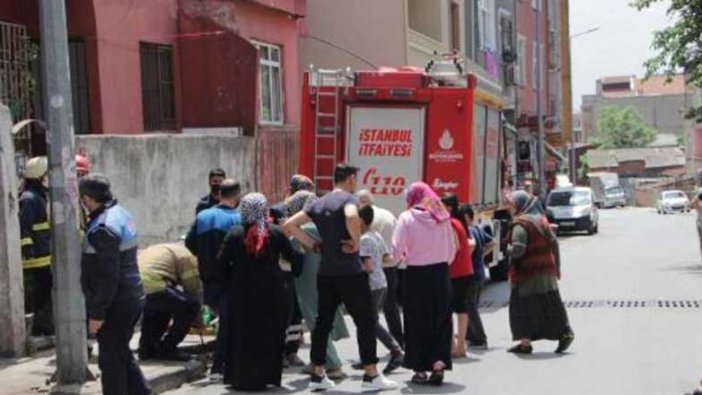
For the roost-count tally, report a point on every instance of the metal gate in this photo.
(17, 84)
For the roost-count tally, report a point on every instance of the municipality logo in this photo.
(446, 140)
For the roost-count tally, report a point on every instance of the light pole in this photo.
(572, 151)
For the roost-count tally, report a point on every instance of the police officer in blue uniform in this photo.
(113, 291)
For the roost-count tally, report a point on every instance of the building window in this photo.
(534, 64)
(79, 86)
(157, 82)
(455, 26)
(521, 68)
(270, 83)
(486, 25)
(506, 36)
(536, 5)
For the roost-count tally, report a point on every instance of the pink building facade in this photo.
(131, 69)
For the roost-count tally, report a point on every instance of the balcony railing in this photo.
(425, 44)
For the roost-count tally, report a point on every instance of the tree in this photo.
(622, 127)
(678, 47)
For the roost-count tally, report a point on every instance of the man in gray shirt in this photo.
(341, 277)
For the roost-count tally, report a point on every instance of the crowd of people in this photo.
(266, 269)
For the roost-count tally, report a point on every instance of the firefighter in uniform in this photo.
(113, 291)
(173, 291)
(36, 243)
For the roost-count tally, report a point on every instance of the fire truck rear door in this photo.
(387, 144)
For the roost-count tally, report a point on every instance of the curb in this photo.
(159, 382)
(191, 371)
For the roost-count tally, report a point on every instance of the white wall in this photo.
(160, 177)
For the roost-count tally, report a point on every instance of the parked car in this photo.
(614, 197)
(573, 209)
(671, 201)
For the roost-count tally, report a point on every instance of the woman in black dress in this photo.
(257, 309)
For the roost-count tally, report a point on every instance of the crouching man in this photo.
(173, 292)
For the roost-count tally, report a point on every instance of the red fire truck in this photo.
(405, 125)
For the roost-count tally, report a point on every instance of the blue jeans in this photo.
(217, 298)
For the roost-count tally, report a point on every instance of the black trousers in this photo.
(391, 307)
(354, 292)
(293, 333)
(42, 281)
(476, 331)
(121, 374)
(160, 308)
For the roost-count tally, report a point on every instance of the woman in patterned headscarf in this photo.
(306, 288)
(426, 242)
(257, 314)
(536, 310)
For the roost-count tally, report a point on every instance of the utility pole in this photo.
(69, 306)
(540, 149)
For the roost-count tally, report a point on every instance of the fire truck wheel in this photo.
(499, 272)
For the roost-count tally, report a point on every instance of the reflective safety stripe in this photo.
(27, 241)
(152, 284)
(40, 226)
(35, 263)
(187, 275)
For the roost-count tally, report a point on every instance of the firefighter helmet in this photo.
(36, 168)
(82, 165)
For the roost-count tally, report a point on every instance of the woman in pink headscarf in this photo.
(426, 242)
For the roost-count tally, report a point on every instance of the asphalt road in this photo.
(634, 293)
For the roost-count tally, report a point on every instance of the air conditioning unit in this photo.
(510, 76)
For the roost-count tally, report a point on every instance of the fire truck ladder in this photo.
(327, 125)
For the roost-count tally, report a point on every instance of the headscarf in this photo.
(421, 196)
(299, 200)
(300, 182)
(253, 209)
(525, 203)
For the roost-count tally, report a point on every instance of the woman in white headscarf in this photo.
(257, 311)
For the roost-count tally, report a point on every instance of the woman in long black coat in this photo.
(257, 298)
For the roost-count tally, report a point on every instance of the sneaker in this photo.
(396, 362)
(378, 383)
(216, 377)
(337, 374)
(320, 383)
(294, 361)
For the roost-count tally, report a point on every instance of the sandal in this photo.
(419, 378)
(436, 378)
(521, 349)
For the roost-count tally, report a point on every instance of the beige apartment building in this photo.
(364, 34)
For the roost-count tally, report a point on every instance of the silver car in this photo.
(573, 209)
(672, 201)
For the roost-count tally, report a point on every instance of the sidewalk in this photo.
(32, 375)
